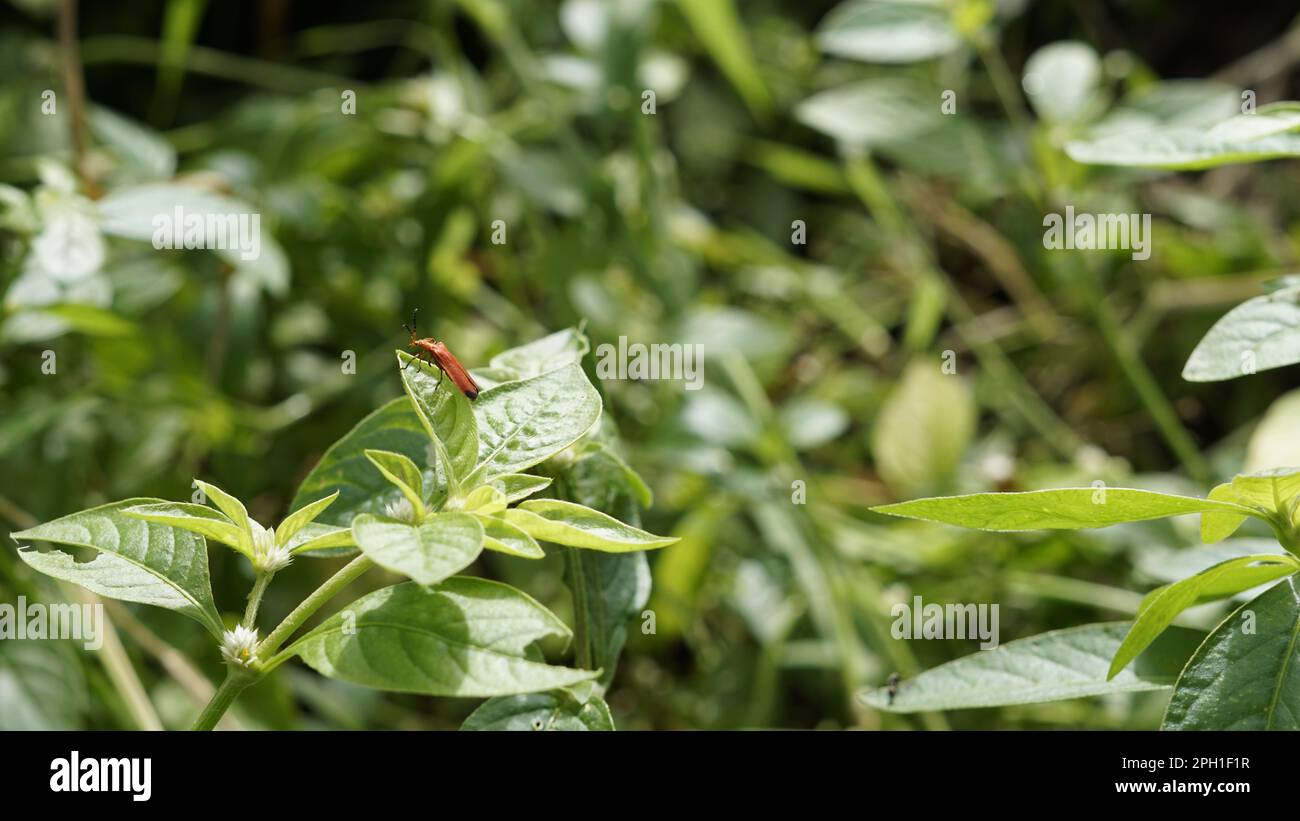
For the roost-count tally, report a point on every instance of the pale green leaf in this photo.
(1064, 509)
(302, 517)
(234, 510)
(575, 525)
(1159, 609)
(503, 537)
(445, 411)
(484, 500)
(440, 546)
(403, 473)
(518, 486)
(316, 536)
(542, 355)
(199, 519)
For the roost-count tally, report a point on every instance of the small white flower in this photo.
(267, 555)
(238, 645)
(400, 509)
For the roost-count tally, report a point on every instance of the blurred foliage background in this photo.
(824, 394)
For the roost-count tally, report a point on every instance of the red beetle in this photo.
(443, 359)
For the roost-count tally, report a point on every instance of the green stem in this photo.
(332, 586)
(236, 682)
(583, 655)
(255, 597)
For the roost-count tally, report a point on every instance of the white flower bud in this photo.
(267, 555)
(239, 646)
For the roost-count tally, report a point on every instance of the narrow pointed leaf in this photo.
(574, 525)
(302, 517)
(234, 509)
(315, 536)
(444, 411)
(503, 537)
(199, 519)
(135, 560)
(1065, 509)
(1159, 609)
(518, 486)
(403, 473)
(485, 500)
(465, 637)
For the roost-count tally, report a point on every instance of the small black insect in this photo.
(892, 684)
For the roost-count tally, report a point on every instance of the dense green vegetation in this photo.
(843, 203)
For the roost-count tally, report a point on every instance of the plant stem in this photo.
(255, 597)
(583, 655)
(73, 85)
(332, 586)
(235, 683)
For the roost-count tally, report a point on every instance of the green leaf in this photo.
(1217, 525)
(42, 686)
(503, 537)
(465, 637)
(1246, 674)
(484, 500)
(1179, 148)
(1159, 609)
(440, 546)
(395, 427)
(135, 561)
(1275, 441)
(575, 525)
(1260, 334)
(523, 423)
(445, 411)
(199, 519)
(869, 113)
(609, 589)
(1267, 490)
(235, 510)
(518, 486)
(557, 710)
(924, 427)
(542, 355)
(887, 32)
(1060, 664)
(403, 473)
(316, 536)
(1064, 509)
(302, 517)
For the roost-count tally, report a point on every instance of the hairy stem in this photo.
(255, 597)
(328, 590)
(235, 683)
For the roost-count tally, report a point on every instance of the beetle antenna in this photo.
(413, 315)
